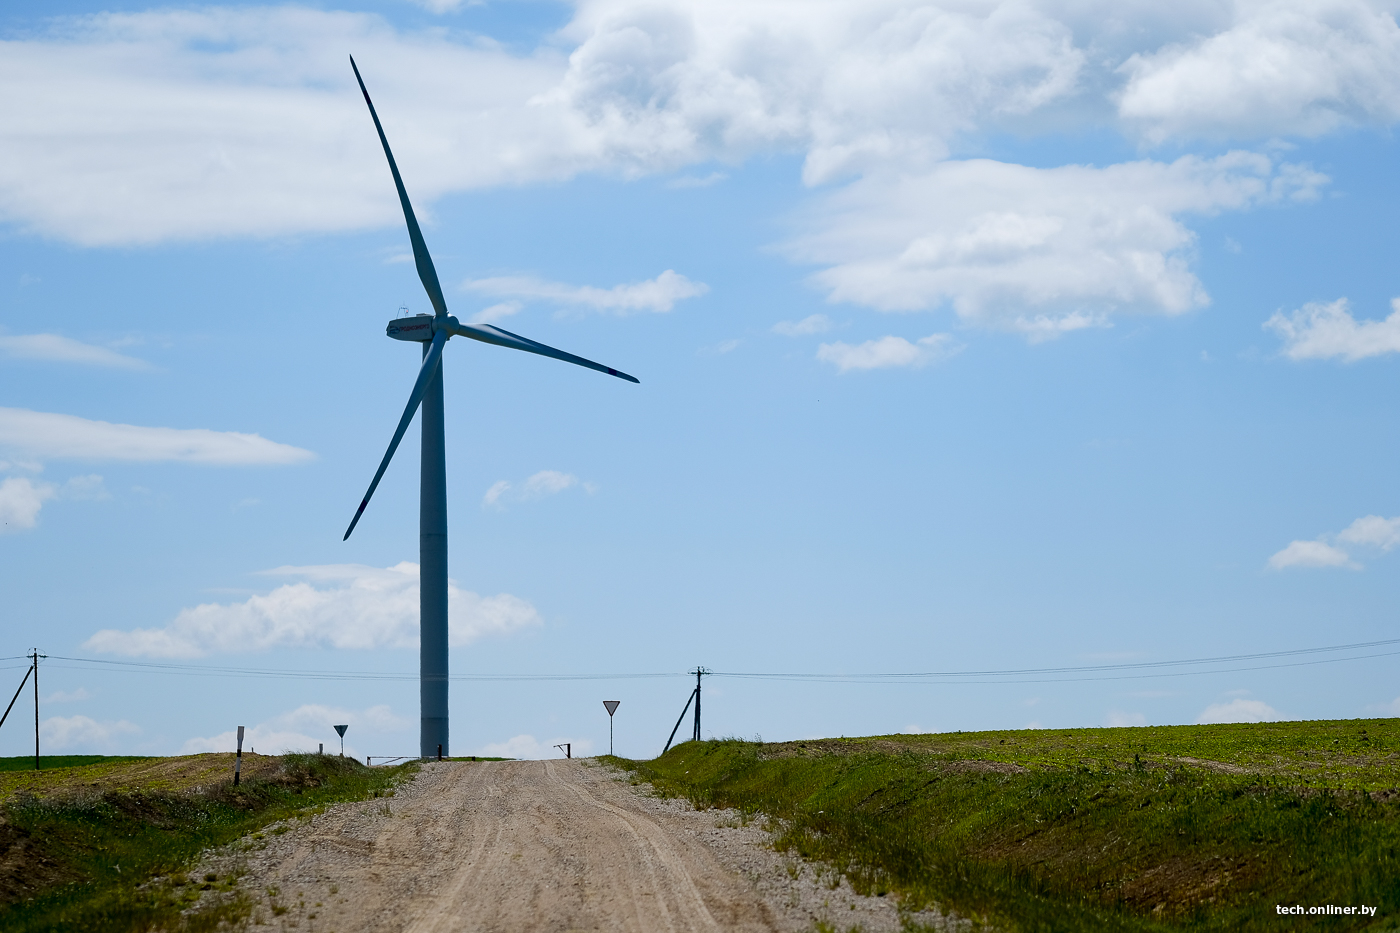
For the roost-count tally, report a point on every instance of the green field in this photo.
(46, 762)
(79, 844)
(1169, 828)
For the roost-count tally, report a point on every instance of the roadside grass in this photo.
(106, 846)
(1133, 829)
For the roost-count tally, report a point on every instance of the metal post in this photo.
(611, 706)
(432, 572)
(439, 751)
(238, 761)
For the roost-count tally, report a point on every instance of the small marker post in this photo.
(340, 731)
(238, 760)
(611, 706)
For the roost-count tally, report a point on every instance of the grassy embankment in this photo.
(104, 845)
(1170, 828)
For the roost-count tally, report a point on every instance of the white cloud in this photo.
(1282, 67)
(54, 436)
(659, 294)
(498, 489)
(1328, 550)
(693, 181)
(1328, 331)
(886, 353)
(1031, 249)
(178, 123)
(69, 696)
(811, 324)
(1310, 554)
(73, 732)
(1239, 710)
(527, 747)
(853, 85)
(20, 501)
(305, 728)
(332, 605)
(1373, 531)
(542, 484)
(21, 498)
(1116, 719)
(53, 348)
(497, 312)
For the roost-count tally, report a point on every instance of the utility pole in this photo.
(34, 655)
(699, 672)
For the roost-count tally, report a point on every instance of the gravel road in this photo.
(536, 846)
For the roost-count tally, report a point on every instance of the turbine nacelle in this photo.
(419, 328)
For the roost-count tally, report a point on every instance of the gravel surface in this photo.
(536, 845)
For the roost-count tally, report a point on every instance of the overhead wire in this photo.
(1142, 670)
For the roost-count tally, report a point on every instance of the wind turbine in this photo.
(433, 331)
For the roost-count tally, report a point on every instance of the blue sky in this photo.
(971, 337)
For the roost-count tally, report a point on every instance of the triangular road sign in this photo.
(611, 705)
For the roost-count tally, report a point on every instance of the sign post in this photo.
(238, 760)
(340, 731)
(611, 706)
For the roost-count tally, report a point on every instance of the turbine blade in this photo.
(425, 374)
(491, 334)
(421, 259)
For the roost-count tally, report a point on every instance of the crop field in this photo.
(105, 844)
(1154, 828)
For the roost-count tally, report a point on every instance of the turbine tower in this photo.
(433, 331)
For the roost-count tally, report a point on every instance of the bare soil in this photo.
(535, 846)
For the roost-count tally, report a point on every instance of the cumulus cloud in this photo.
(1310, 554)
(20, 501)
(1282, 67)
(68, 696)
(811, 324)
(658, 295)
(542, 484)
(331, 605)
(1328, 331)
(21, 498)
(53, 436)
(497, 312)
(56, 349)
(527, 747)
(1239, 710)
(1029, 249)
(1329, 550)
(1116, 719)
(77, 732)
(304, 729)
(886, 353)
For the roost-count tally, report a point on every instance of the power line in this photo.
(1087, 668)
(1148, 669)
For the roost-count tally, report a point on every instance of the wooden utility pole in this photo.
(699, 672)
(34, 655)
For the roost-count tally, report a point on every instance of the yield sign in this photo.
(341, 730)
(611, 706)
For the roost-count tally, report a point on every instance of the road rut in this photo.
(501, 846)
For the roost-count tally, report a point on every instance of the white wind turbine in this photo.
(433, 332)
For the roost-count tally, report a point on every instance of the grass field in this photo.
(47, 762)
(81, 845)
(1170, 828)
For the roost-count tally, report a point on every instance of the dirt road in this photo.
(537, 845)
